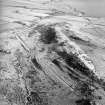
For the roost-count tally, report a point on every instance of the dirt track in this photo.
(48, 52)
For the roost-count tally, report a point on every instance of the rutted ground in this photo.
(50, 55)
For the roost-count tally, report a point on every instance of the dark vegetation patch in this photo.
(34, 99)
(57, 63)
(101, 82)
(4, 51)
(85, 90)
(74, 62)
(70, 72)
(87, 94)
(48, 35)
(83, 102)
(73, 74)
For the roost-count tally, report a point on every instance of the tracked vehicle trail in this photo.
(50, 56)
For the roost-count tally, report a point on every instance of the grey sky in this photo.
(90, 7)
